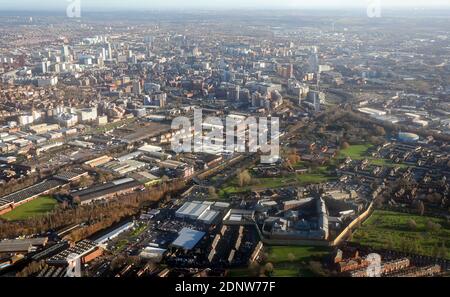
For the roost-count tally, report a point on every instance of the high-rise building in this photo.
(157, 99)
(102, 52)
(149, 40)
(233, 92)
(65, 51)
(44, 67)
(315, 98)
(137, 89)
(317, 103)
(87, 115)
(285, 70)
(109, 51)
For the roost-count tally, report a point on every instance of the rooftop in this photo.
(188, 238)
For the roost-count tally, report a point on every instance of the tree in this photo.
(412, 225)
(376, 140)
(291, 257)
(316, 268)
(345, 145)
(212, 192)
(437, 227)
(134, 260)
(85, 182)
(433, 227)
(102, 178)
(32, 268)
(77, 200)
(268, 268)
(254, 269)
(118, 262)
(380, 131)
(293, 158)
(434, 198)
(244, 178)
(65, 204)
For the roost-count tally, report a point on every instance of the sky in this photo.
(211, 4)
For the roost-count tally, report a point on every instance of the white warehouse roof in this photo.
(150, 149)
(208, 216)
(192, 210)
(188, 238)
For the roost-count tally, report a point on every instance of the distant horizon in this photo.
(225, 9)
(208, 5)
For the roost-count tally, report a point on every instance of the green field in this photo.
(319, 175)
(257, 184)
(360, 152)
(393, 230)
(290, 261)
(316, 176)
(37, 207)
(356, 152)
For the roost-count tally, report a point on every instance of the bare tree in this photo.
(244, 178)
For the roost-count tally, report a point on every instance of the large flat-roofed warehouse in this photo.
(98, 161)
(192, 210)
(87, 250)
(197, 211)
(107, 191)
(22, 245)
(188, 239)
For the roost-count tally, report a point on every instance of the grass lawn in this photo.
(319, 175)
(359, 152)
(291, 261)
(356, 152)
(280, 254)
(392, 230)
(37, 207)
(287, 272)
(306, 179)
(230, 190)
(288, 261)
(257, 184)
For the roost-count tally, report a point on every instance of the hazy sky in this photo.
(209, 4)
